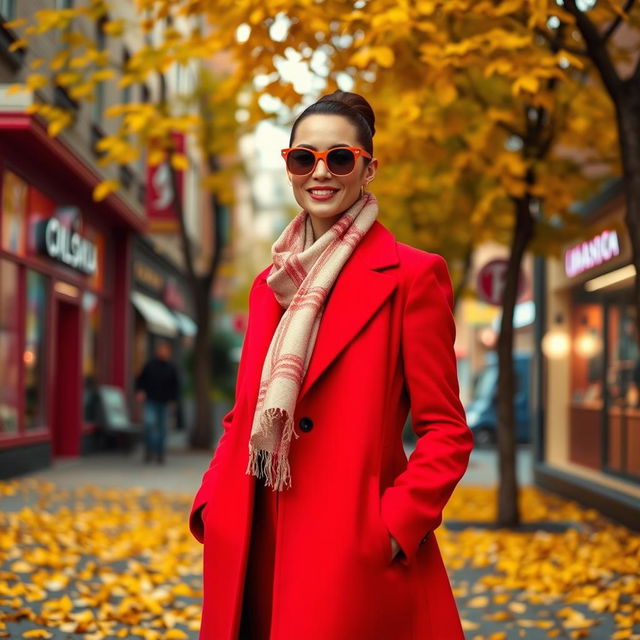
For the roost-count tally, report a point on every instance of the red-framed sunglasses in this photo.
(340, 161)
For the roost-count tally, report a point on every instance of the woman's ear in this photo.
(370, 171)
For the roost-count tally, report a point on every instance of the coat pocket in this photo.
(384, 540)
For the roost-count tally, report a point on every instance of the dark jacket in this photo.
(159, 381)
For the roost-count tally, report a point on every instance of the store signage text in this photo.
(68, 246)
(148, 277)
(591, 253)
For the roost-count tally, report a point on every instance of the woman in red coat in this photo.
(315, 525)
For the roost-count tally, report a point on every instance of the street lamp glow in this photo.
(588, 344)
(556, 344)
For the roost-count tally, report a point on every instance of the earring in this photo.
(361, 190)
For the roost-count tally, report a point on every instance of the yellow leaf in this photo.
(479, 602)
(37, 633)
(156, 157)
(104, 189)
(103, 75)
(114, 28)
(174, 634)
(16, 88)
(531, 84)
(17, 44)
(384, 56)
(14, 24)
(179, 161)
(67, 78)
(56, 126)
(37, 81)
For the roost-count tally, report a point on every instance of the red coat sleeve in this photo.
(412, 506)
(196, 524)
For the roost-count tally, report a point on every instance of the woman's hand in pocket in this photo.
(395, 547)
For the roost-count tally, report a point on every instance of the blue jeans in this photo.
(155, 427)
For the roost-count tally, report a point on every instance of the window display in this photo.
(92, 357)
(9, 348)
(623, 384)
(588, 356)
(35, 350)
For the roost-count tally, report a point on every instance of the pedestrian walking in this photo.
(158, 387)
(315, 525)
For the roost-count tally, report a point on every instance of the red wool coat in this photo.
(384, 347)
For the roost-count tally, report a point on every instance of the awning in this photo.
(159, 319)
(186, 325)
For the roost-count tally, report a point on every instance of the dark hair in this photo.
(350, 105)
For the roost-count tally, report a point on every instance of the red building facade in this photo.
(65, 265)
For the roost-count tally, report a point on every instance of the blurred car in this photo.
(482, 411)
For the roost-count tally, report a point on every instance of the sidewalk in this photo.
(98, 548)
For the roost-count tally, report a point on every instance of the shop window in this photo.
(34, 355)
(623, 387)
(91, 360)
(9, 348)
(14, 213)
(587, 379)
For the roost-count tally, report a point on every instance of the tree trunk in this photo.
(203, 428)
(462, 282)
(508, 511)
(628, 118)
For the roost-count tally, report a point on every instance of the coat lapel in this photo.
(365, 282)
(359, 291)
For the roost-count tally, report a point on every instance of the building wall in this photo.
(60, 347)
(576, 457)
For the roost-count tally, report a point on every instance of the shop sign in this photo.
(161, 192)
(591, 253)
(148, 277)
(492, 279)
(67, 246)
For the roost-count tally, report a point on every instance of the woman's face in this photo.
(324, 195)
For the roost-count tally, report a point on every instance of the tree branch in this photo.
(613, 27)
(558, 43)
(597, 49)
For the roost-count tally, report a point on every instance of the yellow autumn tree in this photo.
(477, 111)
(489, 123)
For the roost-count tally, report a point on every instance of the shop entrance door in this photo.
(67, 386)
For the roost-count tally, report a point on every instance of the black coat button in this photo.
(306, 424)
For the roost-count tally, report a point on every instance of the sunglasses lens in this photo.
(300, 161)
(341, 161)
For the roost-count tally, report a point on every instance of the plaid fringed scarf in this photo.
(301, 277)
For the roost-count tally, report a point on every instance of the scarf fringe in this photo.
(273, 466)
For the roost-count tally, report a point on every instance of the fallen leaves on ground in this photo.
(592, 568)
(107, 564)
(101, 563)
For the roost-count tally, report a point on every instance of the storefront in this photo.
(64, 288)
(589, 431)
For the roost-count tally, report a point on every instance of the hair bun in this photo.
(355, 102)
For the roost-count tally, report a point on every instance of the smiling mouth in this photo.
(322, 193)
